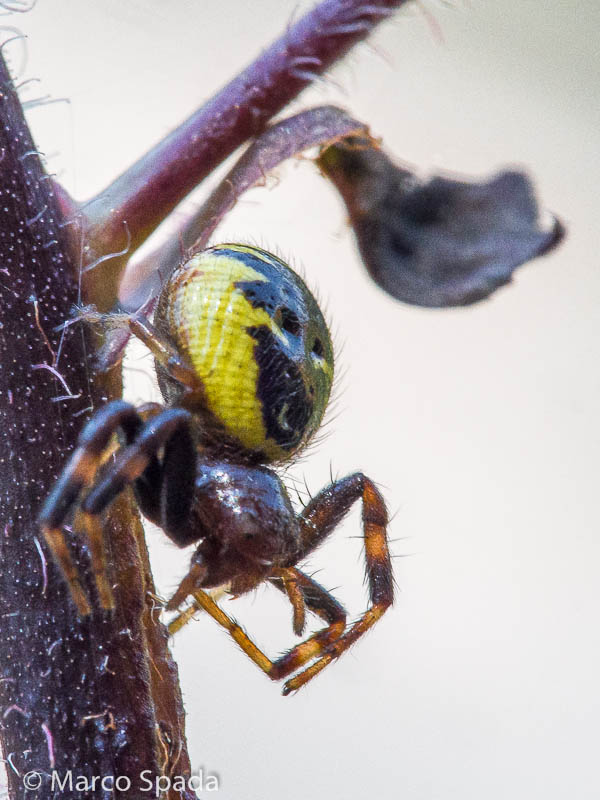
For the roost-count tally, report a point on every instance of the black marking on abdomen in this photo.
(286, 405)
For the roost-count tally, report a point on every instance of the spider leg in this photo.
(314, 596)
(317, 521)
(189, 585)
(181, 620)
(320, 602)
(165, 353)
(317, 599)
(147, 486)
(319, 518)
(132, 462)
(129, 465)
(286, 581)
(78, 474)
(289, 585)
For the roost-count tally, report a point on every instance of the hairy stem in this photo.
(97, 696)
(144, 194)
(319, 126)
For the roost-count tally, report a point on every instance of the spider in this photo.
(245, 364)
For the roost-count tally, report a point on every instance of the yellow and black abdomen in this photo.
(257, 341)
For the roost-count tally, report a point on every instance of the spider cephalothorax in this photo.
(245, 364)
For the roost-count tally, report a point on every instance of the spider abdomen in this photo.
(257, 341)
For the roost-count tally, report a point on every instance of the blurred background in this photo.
(480, 424)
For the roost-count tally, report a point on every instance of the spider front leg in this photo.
(76, 476)
(131, 463)
(136, 460)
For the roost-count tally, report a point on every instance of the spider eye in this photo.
(290, 322)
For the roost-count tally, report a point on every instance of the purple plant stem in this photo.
(145, 193)
(97, 696)
(311, 128)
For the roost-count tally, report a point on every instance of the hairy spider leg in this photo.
(78, 474)
(319, 601)
(183, 617)
(320, 517)
(315, 597)
(130, 463)
(289, 584)
(166, 354)
(165, 490)
(188, 585)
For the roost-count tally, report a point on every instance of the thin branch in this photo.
(148, 191)
(316, 127)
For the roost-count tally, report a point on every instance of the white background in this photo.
(480, 424)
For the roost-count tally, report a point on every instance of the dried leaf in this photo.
(440, 243)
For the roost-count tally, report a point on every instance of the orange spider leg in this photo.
(77, 475)
(318, 520)
(316, 598)
(294, 593)
(92, 527)
(129, 464)
(320, 515)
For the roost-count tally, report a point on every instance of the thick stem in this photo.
(98, 696)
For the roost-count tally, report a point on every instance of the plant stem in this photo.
(97, 696)
(146, 192)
